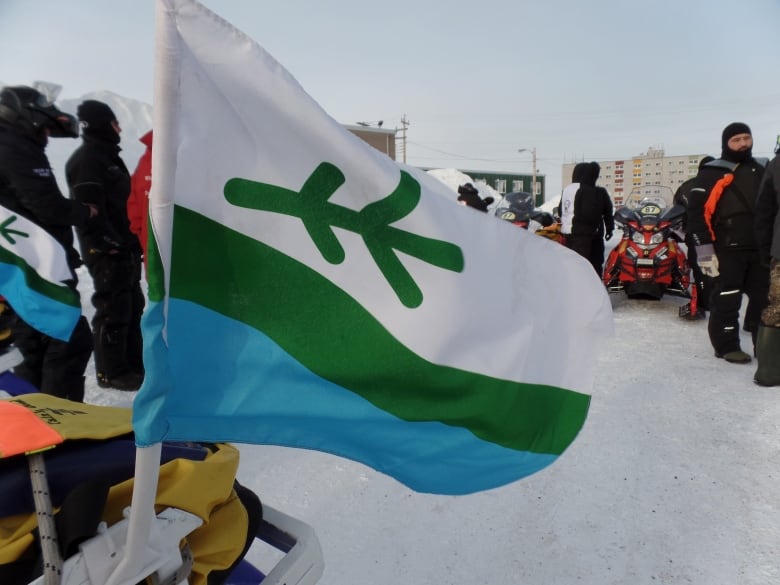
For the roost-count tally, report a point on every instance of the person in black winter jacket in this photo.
(97, 175)
(703, 283)
(469, 195)
(605, 223)
(768, 239)
(587, 215)
(28, 187)
(720, 221)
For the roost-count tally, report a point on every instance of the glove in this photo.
(708, 261)
(608, 236)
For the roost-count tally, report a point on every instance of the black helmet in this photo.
(29, 110)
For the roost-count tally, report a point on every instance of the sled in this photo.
(301, 564)
(36, 484)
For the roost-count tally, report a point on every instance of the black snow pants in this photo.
(119, 303)
(702, 282)
(53, 366)
(741, 272)
(589, 247)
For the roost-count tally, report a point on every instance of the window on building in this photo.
(517, 185)
(500, 185)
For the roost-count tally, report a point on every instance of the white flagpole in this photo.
(131, 568)
(161, 199)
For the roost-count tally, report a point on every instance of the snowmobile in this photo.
(518, 208)
(648, 261)
(64, 515)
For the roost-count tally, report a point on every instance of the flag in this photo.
(33, 268)
(308, 291)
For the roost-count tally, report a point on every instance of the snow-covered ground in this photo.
(674, 480)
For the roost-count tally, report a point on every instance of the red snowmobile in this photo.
(648, 261)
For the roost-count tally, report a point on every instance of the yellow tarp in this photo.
(33, 422)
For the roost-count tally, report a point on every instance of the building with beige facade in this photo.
(648, 174)
(383, 139)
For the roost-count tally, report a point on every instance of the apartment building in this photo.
(648, 174)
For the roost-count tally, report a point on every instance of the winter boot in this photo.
(734, 357)
(111, 359)
(128, 380)
(768, 354)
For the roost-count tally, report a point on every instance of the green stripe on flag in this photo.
(61, 293)
(332, 335)
(155, 276)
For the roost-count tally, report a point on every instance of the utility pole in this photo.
(404, 126)
(533, 174)
(533, 171)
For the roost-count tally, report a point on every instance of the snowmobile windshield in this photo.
(656, 194)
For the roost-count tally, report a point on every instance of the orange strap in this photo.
(714, 198)
(22, 431)
(36, 421)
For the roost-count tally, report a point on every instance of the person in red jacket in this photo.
(138, 202)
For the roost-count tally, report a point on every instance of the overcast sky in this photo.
(598, 80)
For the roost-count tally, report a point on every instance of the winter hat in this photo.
(596, 169)
(728, 133)
(732, 130)
(96, 118)
(583, 173)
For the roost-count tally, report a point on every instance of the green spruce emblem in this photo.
(8, 233)
(372, 223)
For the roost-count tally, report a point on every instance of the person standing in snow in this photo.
(702, 282)
(28, 187)
(721, 222)
(97, 175)
(768, 238)
(138, 201)
(605, 223)
(587, 215)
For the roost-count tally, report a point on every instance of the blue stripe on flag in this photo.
(273, 399)
(47, 315)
